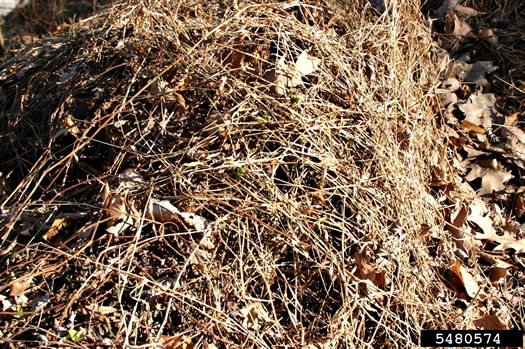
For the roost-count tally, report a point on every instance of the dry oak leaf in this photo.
(506, 241)
(471, 285)
(460, 27)
(472, 152)
(305, 65)
(491, 180)
(472, 128)
(490, 322)
(498, 272)
(368, 271)
(480, 110)
(466, 12)
(475, 73)
(478, 216)
(514, 141)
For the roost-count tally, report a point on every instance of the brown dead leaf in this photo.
(514, 140)
(480, 110)
(176, 342)
(368, 271)
(179, 99)
(490, 322)
(461, 27)
(305, 65)
(466, 12)
(475, 73)
(478, 215)
(164, 211)
(254, 315)
(497, 273)
(491, 180)
(101, 309)
(447, 98)
(519, 206)
(457, 220)
(506, 241)
(472, 128)
(121, 211)
(471, 285)
(473, 153)
(286, 75)
(19, 288)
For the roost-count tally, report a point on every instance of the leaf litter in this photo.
(194, 151)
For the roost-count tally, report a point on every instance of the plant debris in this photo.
(262, 174)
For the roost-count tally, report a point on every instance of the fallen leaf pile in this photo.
(485, 204)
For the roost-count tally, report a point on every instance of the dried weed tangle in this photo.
(176, 171)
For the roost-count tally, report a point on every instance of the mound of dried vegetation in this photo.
(224, 173)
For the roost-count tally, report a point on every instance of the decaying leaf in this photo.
(475, 73)
(447, 98)
(480, 110)
(478, 215)
(121, 211)
(490, 322)
(255, 315)
(164, 211)
(470, 127)
(473, 153)
(101, 309)
(130, 179)
(286, 75)
(497, 273)
(18, 288)
(175, 342)
(456, 26)
(514, 141)
(466, 12)
(305, 65)
(368, 271)
(457, 219)
(471, 285)
(491, 180)
(506, 241)
(178, 97)
(451, 85)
